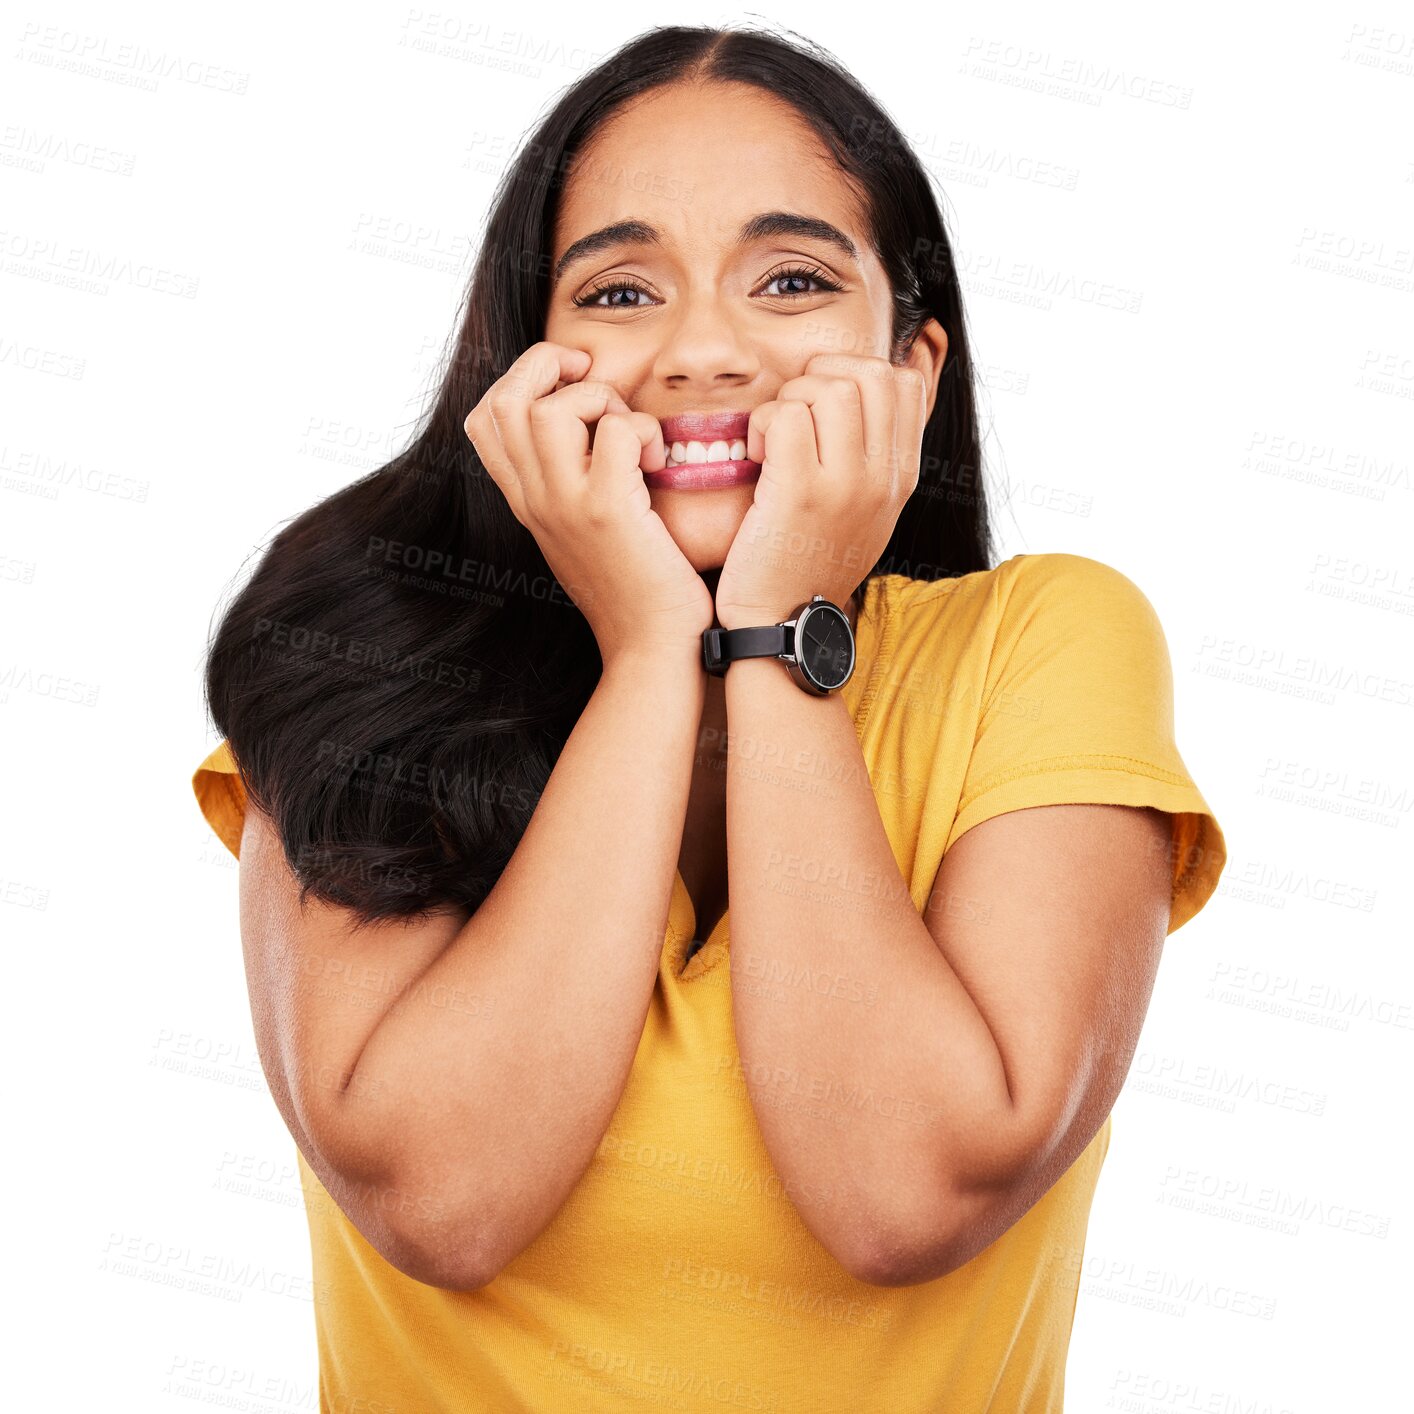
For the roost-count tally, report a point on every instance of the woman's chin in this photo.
(704, 533)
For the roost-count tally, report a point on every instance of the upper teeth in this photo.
(719, 451)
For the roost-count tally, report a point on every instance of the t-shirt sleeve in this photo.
(1078, 708)
(221, 796)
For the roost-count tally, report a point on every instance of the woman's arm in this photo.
(920, 1084)
(451, 1105)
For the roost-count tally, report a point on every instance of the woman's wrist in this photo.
(677, 661)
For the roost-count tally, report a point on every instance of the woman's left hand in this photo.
(839, 449)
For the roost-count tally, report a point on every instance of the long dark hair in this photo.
(397, 678)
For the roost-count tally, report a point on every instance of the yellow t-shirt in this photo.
(677, 1273)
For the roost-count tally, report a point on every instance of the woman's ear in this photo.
(928, 353)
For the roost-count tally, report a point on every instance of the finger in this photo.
(911, 390)
(560, 427)
(762, 416)
(536, 373)
(872, 410)
(648, 430)
(817, 463)
(507, 482)
(654, 453)
(789, 455)
(491, 453)
(802, 448)
(622, 441)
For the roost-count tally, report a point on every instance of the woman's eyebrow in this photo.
(760, 227)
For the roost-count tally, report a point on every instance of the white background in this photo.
(223, 294)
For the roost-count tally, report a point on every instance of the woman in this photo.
(571, 1138)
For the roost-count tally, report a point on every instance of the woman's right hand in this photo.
(589, 508)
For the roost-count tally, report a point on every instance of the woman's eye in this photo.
(798, 277)
(795, 277)
(594, 296)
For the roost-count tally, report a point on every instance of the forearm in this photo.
(494, 1109)
(878, 1087)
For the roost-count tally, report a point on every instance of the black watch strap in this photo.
(721, 647)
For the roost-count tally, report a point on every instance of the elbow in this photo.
(441, 1243)
(910, 1252)
(439, 1255)
(908, 1239)
(904, 1261)
(449, 1225)
(420, 1235)
(448, 1271)
(885, 1252)
(928, 1241)
(885, 1246)
(424, 1215)
(970, 1209)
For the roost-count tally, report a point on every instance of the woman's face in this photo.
(701, 320)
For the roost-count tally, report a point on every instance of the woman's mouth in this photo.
(715, 457)
(693, 466)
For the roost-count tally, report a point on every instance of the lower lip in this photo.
(703, 476)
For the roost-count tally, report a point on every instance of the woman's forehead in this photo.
(718, 147)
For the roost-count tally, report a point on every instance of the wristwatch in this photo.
(816, 644)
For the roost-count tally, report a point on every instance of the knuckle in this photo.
(502, 402)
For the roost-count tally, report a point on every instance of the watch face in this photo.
(824, 645)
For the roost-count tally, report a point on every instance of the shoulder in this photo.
(1053, 628)
(1022, 573)
(1060, 578)
(1063, 588)
(220, 760)
(221, 796)
(1075, 596)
